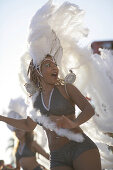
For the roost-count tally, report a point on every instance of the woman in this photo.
(27, 148)
(55, 98)
(65, 154)
(26, 151)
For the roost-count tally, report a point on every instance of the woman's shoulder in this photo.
(66, 90)
(71, 88)
(71, 91)
(65, 85)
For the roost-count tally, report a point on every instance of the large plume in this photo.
(94, 72)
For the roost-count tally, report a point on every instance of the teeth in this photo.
(54, 74)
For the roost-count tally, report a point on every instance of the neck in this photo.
(46, 88)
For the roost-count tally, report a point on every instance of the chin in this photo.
(52, 82)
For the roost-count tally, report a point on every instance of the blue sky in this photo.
(15, 16)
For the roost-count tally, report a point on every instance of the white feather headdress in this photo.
(48, 32)
(52, 29)
(43, 39)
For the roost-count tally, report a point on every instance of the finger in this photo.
(59, 124)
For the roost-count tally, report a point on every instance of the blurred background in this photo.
(15, 17)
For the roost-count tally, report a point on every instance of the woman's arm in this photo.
(17, 165)
(23, 124)
(40, 150)
(87, 111)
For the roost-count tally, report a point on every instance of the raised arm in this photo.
(40, 150)
(23, 124)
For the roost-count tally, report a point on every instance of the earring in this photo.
(30, 88)
(70, 78)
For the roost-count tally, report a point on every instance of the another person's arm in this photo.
(23, 124)
(40, 150)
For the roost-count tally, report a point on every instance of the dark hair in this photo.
(32, 73)
(35, 77)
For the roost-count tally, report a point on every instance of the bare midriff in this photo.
(55, 141)
(28, 163)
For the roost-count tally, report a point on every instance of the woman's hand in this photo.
(64, 122)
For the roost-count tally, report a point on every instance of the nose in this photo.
(54, 66)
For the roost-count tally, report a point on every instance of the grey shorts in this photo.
(38, 168)
(69, 152)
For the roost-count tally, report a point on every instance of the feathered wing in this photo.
(24, 64)
(99, 88)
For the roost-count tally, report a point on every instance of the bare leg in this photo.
(89, 160)
(62, 168)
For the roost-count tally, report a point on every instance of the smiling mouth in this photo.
(54, 74)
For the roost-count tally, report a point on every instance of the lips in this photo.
(54, 74)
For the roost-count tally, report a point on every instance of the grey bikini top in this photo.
(26, 152)
(58, 104)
